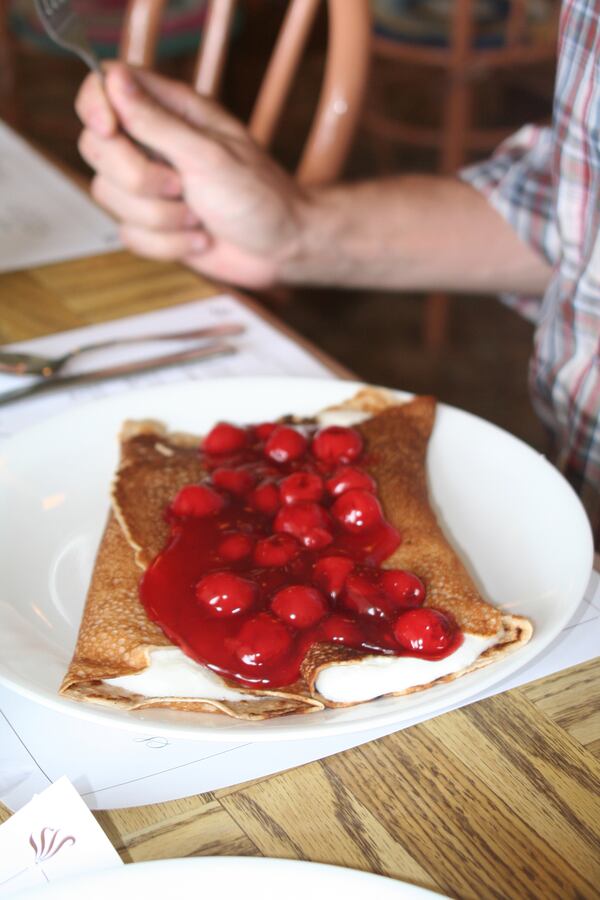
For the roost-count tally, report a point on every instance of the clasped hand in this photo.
(218, 203)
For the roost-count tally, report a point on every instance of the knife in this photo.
(207, 351)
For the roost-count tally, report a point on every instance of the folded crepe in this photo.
(116, 637)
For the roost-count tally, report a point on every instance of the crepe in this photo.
(116, 637)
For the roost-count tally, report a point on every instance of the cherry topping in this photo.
(330, 574)
(262, 640)
(276, 550)
(348, 478)
(235, 546)
(341, 630)
(363, 596)
(424, 630)
(285, 444)
(265, 498)
(236, 481)
(264, 430)
(358, 511)
(404, 587)
(225, 438)
(299, 605)
(301, 486)
(225, 594)
(388, 540)
(336, 444)
(197, 500)
(306, 521)
(317, 538)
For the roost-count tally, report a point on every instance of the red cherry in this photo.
(341, 630)
(301, 486)
(285, 444)
(264, 430)
(388, 540)
(349, 478)
(262, 640)
(306, 521)
(424, 630)
(265, 498)
(364, 597)
(225, 594)
(403, 587)
(317, 538)
(330, 574)
(236, 481)
(358, 511)
(277, 550)
(235, 546)
(337, 444)
(197, 500)
(299, 605)
(265, 472)
(224, 438)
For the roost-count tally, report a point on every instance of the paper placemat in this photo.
(261, 350)
(112, 768)
(44, 217)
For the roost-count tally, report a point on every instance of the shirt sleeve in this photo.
(517, 181)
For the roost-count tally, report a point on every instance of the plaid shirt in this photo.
(546, 183)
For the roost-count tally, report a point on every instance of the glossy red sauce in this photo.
(250, 605)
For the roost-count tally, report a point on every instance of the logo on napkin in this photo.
(53, 836)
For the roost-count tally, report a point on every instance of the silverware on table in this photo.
(206, 351)
(19, 363)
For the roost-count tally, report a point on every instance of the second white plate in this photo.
(229, 878)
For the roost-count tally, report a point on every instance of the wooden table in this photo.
(498, 799)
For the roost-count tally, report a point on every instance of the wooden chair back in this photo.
(344, 81)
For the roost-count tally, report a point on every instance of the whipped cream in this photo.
(344, 417)
(377, 675)
(173, 674)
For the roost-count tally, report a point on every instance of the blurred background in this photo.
(426, 110)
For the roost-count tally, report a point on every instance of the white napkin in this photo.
(54, 835)
(44, 216)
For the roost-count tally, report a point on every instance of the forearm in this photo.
(411, 233)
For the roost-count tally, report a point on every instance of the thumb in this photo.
(153, 124)
(186, 103)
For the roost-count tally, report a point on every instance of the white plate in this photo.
(516, 522)
(229, 878)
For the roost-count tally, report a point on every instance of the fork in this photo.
(31, 364)
(64, 26)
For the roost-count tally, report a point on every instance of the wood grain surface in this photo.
(497, 799)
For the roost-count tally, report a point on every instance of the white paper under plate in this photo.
(229, 878)
(516, 522)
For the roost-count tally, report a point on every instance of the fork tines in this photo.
(54, 13)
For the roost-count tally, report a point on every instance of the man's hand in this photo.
(218, 202)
